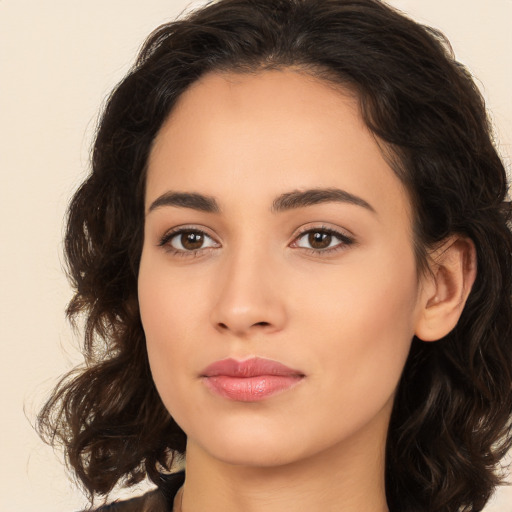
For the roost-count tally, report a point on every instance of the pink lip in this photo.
(250, 380)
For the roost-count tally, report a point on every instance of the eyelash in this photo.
(344, 241)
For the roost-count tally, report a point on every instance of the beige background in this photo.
(58, 60)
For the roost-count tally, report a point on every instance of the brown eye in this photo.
(191, 240)
(319, 239)
(322, 240)
(188, 240)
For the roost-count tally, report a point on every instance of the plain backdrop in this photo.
(58, 61)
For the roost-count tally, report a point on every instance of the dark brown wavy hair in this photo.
(451, 423)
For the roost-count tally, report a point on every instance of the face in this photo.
(278, 287)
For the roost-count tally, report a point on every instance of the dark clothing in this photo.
(158, 500)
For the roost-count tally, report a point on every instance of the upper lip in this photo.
(252, 367)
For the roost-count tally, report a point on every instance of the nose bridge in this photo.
(249, 296)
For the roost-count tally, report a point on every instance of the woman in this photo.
(294, 260)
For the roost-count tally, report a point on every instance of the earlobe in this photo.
(446, 287)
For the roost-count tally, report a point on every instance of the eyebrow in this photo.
(186, 200)
(284, 202)
(301, 199)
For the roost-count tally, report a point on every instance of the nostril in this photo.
(224, 326)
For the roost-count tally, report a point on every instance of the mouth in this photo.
(251, 380)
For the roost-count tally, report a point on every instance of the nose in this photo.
(250, 297)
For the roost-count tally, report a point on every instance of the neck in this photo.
(348, 477)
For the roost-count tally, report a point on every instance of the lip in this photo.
(250, 380)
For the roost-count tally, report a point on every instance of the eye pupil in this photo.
(319, 239)
(192, 240)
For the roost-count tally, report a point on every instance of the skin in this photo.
(345, 318)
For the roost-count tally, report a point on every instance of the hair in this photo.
(451, 422)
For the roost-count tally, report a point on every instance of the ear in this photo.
(446, 288)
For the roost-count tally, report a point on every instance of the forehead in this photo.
(259, 135)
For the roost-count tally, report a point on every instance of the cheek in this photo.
(366, 320)
(169, 312)
(169, 299)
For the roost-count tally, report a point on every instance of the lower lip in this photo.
(251, 389)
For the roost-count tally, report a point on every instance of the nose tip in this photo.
(242, 322)
(250, 302)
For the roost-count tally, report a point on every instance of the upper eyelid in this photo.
(343, 232)
(186, 227)
(303, 229)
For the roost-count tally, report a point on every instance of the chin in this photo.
(253, 455)
(251, 447)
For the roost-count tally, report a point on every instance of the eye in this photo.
(187, 240)
(322, 240)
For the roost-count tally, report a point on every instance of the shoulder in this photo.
(153, 501)
(158, 500)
